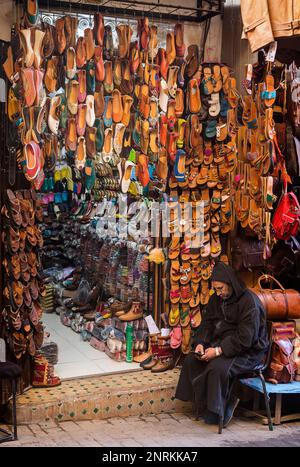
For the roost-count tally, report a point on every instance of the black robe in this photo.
(238, 326)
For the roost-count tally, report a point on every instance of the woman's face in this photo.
(221, 289)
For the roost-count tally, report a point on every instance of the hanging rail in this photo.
(204, 10)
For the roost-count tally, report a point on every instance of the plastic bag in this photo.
(82, 294)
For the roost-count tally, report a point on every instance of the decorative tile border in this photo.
(130, 394)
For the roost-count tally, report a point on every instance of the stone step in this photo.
(98, 398)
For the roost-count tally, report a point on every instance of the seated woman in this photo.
(232, 339)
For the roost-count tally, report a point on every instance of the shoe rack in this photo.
(202, 11)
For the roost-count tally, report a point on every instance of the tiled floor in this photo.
(77, 358)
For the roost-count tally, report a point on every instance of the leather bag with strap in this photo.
(280, 303)
(247, 253)
(282, 365)
(286, 220)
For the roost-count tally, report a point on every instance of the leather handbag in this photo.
(280, 304)
(247, 254)
(282, 367)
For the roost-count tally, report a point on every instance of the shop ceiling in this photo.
(192, 11)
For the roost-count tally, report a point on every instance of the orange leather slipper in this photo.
(143, 172)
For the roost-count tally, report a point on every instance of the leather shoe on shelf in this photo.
(71, 63)
(51, 74)
(100, 74)
(108, 50)
(82, 86)
(98, 29)
(37, 49)
(91, 141)
(135, 312)
(81, 120)
(108, 80)
(99, 100)
(72, 96)
(48, 42)
(27, 47)
(90, 113)
(27, 75)
(71, 135)
(80, 157)
(127, 103)
(80, 52)
(89, 43)
(179, 39)
(117, 109)
(170, 48)
(60, 36)
(53, 117)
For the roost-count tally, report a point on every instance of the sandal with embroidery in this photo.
(185, 252)
(216, 200)
(185, 273)
(185, 293)
(184, 315)
(174, 294)
(196, 271)
(174, 315)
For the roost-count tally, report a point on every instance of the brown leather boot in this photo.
(153, 343)
(135, 312)
(165, 355)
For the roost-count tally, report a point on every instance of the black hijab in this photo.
(224, 273)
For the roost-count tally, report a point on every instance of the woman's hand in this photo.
(209, 354)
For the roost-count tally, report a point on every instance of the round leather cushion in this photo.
(9, 370)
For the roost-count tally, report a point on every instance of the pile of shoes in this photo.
(22, 283)
(160, 357)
